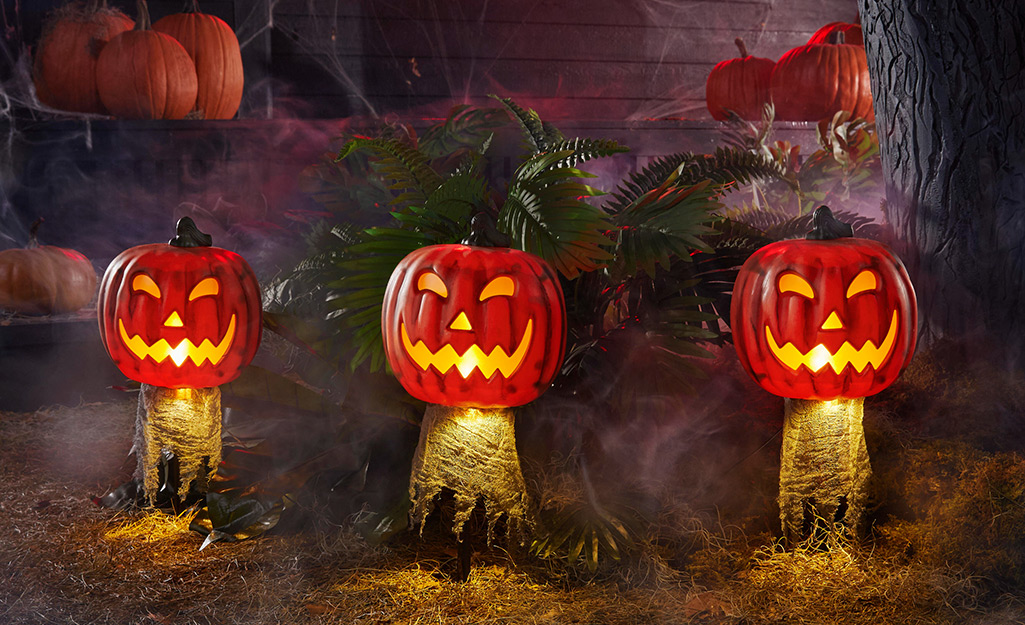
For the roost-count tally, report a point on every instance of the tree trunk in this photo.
(948, 80)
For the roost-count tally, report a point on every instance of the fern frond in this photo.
(465, 127)
(586, 149)
(667, 221)
(540, 136)
(727, 168)
(544, 214)
(404, 168)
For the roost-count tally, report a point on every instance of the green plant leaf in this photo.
(403, 167)
(544, 214)
(465, 127)
(666, 221)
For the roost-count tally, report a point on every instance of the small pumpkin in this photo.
(825, 317)
(64, 70)
(44, 279)
(214, 49)
(816, 80)
(852, 33)
(182, 314)
(471, 326)
(143, 74)
(740, 85)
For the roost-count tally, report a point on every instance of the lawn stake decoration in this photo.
(182, 318)
(824, 322)
(474, 331)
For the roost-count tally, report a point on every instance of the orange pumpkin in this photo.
(43, 279)
(814, 81)
(824, 317)
(474, 326)
(143, 74)
(182, 314)
(852, 33)
(64, 71)
(215, 51)
(740, 85)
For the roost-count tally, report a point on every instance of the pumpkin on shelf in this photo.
(740, 85)
(214, 49)
(44, 279)
(816, 80)
(144, 74)
(64, 69)
(852, 33)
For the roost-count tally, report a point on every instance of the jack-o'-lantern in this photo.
(183, 314)
(824, 319)
(474, 326)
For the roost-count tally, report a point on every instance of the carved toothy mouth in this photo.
(185, 349)
(819, 356)
(474, 357)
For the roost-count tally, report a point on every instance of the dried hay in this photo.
(948, 545)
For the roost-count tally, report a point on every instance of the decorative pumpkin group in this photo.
(808, 83)
(92, 60)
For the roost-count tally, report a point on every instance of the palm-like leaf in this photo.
(544, 214)
(666, 221)
(404, 168)
(726, 168)
(541, 136)
(465, 127)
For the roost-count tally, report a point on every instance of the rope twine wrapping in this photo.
(824, 466)
(472, 452)
(185, 422)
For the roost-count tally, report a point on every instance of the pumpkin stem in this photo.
(838, 37)
(483, 233)
(826, 227)
(144, 21)
(191, 6)
(33, 233)
(741, 46)
(188, 234)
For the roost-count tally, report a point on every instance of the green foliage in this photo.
(544, 214)
(646, 276)
(841, 173)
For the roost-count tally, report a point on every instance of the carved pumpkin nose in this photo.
(173, 321)
(832, 322)
(461, 323)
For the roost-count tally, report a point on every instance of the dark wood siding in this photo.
(570, 59)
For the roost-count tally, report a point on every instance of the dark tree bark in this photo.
(948, 79)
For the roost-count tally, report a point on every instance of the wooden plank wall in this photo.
(570, 59)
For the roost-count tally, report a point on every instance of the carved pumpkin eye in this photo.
(144, 283)
(431, 282)
(502, 285)
(864, 281)
(793, 283)
(207, 286)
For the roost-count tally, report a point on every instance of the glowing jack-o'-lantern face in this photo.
(824, 319)
(473, 326)
(180, 316)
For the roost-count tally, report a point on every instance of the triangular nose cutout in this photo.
(461, 323)
(832, 322)
(173, 321)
